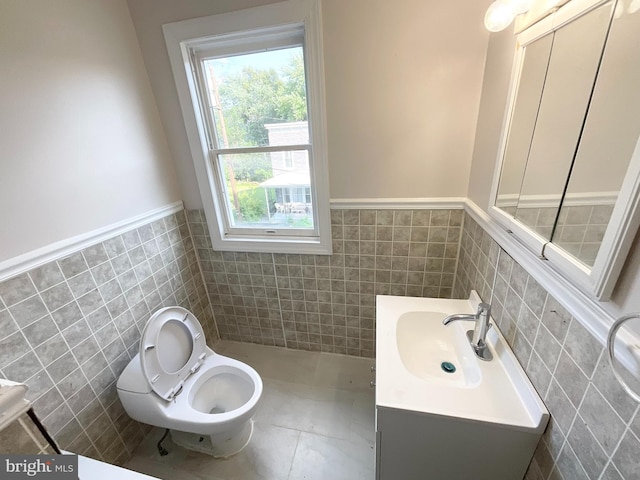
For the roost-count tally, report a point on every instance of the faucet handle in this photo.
(484, 308)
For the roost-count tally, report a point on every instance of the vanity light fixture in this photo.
(501, 13)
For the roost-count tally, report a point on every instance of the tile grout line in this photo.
(55, 384)
(457, 263)
(566, 442)
(624, 433)
(202, 277)
(100, 347)
(275, 275)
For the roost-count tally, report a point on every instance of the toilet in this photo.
(177, 382)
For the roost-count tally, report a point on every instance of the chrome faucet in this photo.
(477, 336)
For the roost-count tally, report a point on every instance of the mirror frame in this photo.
(599, 280)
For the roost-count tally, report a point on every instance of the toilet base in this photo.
(221, 445)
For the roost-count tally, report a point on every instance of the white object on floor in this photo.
(177, 382)
(12, 401)
(90, 469)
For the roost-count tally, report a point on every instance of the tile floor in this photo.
(315, 421)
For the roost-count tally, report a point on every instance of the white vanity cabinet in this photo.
(481, 420)
(417, 446)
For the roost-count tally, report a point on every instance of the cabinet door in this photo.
(571, 73)
(378, 453)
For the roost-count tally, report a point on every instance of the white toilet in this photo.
(177, 382)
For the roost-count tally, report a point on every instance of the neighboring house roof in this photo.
(289, 179)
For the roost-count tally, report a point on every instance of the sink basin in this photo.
(411, 344)
(424, 343)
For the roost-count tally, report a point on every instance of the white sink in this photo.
(482, 421)
(411, 344)
(424, 343)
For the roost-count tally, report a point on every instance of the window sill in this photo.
(311, 245)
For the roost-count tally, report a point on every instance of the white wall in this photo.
(148, 17)
(403, 86)
(82, 146)
(495, 89)
(403, 89)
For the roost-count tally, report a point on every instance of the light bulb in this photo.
(520, 6)
(499, 15)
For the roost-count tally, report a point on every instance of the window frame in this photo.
(238, 28)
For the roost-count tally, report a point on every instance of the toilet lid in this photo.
(172, 348)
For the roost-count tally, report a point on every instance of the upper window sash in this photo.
(254, 41)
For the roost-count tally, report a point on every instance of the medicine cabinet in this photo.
(568, 174)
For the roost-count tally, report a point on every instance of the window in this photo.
(288, 160)
(251, 91)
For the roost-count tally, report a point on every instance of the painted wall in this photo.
(148, 17)
(403, 86)
(82, 144)
(403, 81)
(495, 89)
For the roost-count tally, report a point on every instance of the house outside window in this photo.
(252, 94)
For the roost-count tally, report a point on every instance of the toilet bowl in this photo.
(177, 382)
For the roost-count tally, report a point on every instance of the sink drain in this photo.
(448, 367)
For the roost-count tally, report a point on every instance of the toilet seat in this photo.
(172, 348)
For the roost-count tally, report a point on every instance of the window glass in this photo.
(259, 194)
(248, 93)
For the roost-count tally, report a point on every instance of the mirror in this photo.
(567, 185)
(610, 134)
(575, 56)
(525, 111)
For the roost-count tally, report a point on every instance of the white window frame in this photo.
(186, 37)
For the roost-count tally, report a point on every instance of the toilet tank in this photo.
(136, 394)
(132, 379)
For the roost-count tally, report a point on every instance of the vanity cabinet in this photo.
(418, 446)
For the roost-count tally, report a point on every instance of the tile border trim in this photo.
(35, 258)
(442, 203)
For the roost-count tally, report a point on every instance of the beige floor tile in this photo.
(293, 366)
(285, 404)
(345, 373)
(331, 412)
(363, 419)
(147, 460)
(267, 457)
(323, 458)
